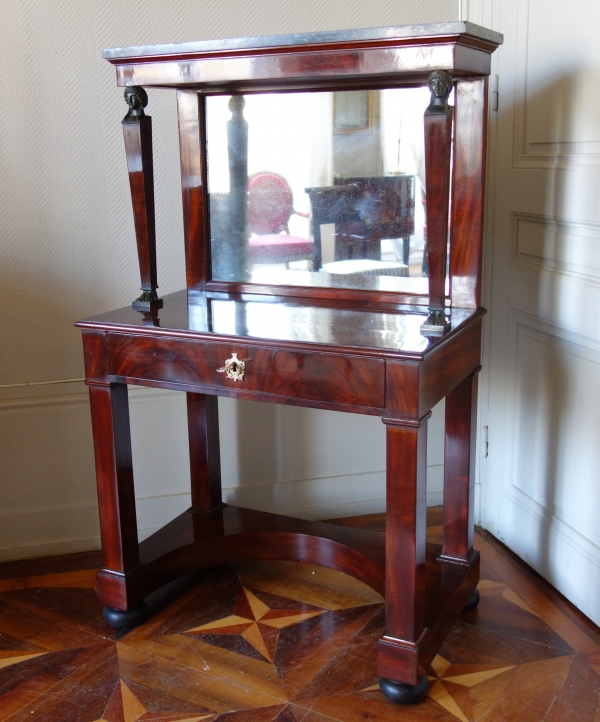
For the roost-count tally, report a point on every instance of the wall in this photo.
(67, 250)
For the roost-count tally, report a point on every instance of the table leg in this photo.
(459, 471)
(401, 678)
(205, 459)
(406, 250)
(116, 502)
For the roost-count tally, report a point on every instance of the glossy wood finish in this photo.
(343, 60)
(466, 241)
(438, 146)
(405, 593)
(114, 476)
(416, 380)
(332, 292)
(137, 133)
(339, 379)
(191, 109)
(381, 331)
(346, 364)
(459, 471)
(413, 389)
(205, 455)
(309, 68)
(195, 541)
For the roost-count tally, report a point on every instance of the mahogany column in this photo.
(114, 476)
(137, 133)
(191, 110)
(406, 502)
(466, 242)
(114, 472)
(459, 471)
(438, 147)
(205, 459)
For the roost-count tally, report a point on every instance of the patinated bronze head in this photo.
(439, 83)
(137, 99)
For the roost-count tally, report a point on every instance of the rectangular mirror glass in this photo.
(319, 189)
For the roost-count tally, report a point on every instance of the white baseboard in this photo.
(48, 492)
(48, 532)
(311, 499)
(53, 531)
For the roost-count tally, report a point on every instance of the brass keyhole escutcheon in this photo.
(234, 368)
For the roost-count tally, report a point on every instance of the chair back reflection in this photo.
(270, 207)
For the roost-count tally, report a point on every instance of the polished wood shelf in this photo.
(194, 541)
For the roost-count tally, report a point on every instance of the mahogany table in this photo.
(368, 348)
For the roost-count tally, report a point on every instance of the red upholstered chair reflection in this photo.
(270, 206)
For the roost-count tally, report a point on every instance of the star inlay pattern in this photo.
(285, 642)
(256, 623)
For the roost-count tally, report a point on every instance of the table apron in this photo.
(271, 374)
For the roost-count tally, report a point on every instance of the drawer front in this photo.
(331, 378)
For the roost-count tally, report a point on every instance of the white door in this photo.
(541, 479)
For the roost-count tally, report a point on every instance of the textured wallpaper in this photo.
(67, 246)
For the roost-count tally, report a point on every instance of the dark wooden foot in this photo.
(153, 603)
(126, 619)
(472, 602)
(404, 693)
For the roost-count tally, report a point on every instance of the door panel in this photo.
(541, 493)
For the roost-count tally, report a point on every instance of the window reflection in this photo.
(317, 324)
(320, 189)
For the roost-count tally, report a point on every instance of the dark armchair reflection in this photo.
(364, 211)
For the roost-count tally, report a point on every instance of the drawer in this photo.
(333, 378)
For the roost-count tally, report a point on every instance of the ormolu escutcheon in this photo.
(234, 368)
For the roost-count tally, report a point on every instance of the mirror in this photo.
(319, 188)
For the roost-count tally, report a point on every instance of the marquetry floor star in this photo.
(123, 704)
(257, 623)
(451, 691)
(9, 657)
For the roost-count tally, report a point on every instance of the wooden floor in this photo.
(286, 642)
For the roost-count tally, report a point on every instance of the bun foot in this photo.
(472, 602)
(404, 693)
(126, 619)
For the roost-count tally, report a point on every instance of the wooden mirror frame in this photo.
(455, 53)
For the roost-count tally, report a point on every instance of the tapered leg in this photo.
(405, 563)
(116, 497)
(459, 470)
(205, 458)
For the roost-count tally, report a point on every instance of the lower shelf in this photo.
(195, 541)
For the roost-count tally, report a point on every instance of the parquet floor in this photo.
(286, 642)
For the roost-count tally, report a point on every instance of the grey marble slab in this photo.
(330, 36)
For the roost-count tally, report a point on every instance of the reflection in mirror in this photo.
(313, 324)
(321, 189)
